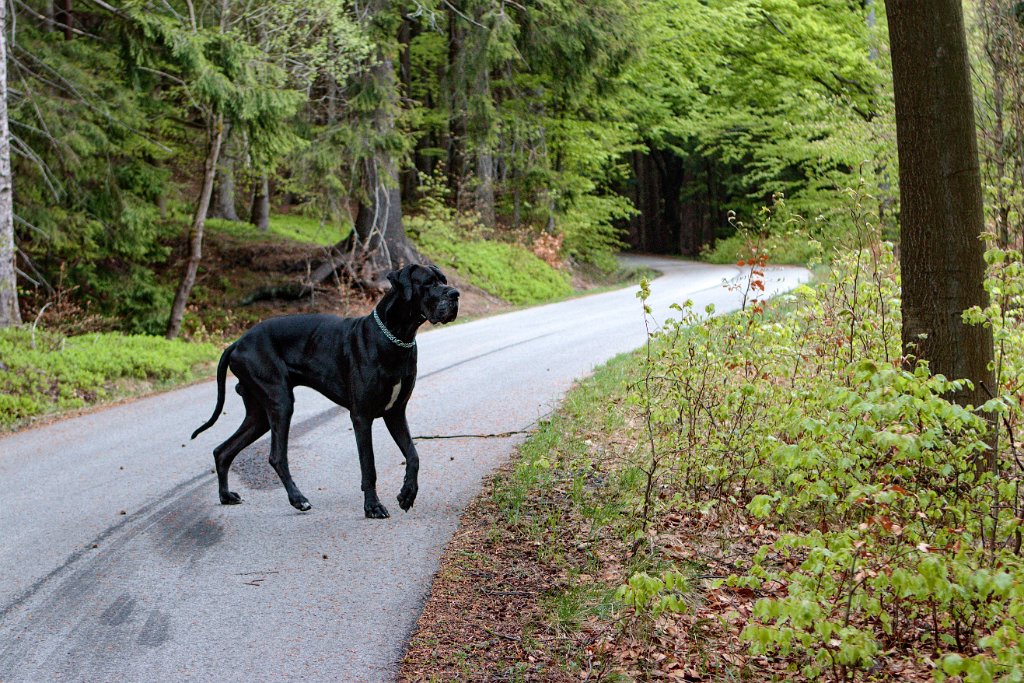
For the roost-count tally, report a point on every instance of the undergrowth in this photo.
(892, 544)
(43, 372)
(794, 490)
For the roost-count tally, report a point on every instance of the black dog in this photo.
(367, 365)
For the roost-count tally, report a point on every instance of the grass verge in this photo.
(535, 563)
(43, 372)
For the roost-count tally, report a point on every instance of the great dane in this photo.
(367, 365)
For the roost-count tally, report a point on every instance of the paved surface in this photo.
(178, 587)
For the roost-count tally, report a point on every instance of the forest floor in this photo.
(526, 589)
(234, 267)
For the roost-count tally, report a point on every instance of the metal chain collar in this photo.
(387, 333)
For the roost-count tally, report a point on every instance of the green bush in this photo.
(47, 372)
(893, 543)
(790, 238)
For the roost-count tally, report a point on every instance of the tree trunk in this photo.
(9, 313)
(378, 224)
(378, 242)
(63, 18)
(188, 277)
(457, 106)
(260, 213)
(941, 215)
(480, 96)
(406, 32)
(223, 205)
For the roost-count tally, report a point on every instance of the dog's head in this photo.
(425, 288)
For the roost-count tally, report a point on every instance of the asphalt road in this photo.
(117, 563)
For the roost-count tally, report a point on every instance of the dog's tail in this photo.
(222, 373)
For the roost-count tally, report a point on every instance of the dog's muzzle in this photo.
(447, 308)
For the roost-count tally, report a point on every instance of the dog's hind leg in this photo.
(363, 427)
(253, 427)
(280, 422)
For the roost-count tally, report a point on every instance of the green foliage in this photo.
(652, 595)
(765, 95)
(87, 178)
(46, 372)
(892, 538)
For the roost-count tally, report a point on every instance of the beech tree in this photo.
(941, 214)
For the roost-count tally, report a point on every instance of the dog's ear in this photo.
(439, 274)
(401, 283)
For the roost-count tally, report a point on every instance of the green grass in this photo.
(505, 270)
(561, 439)
(509, 271)
(294, 227)
(63, 373)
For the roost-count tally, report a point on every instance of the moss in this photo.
(54, 372)
(294, 227)
(509, 271)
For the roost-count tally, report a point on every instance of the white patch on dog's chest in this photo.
(394, 396)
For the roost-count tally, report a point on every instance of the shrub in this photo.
(892, 540)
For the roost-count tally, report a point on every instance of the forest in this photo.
(578, 127)
(825, 485)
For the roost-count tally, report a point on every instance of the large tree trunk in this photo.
(941, 215)
(378, 224)
(480, 96)
(455, 80)
(406, 32)
(9, 313)
(188, 277)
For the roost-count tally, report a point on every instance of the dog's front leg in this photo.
(363, 427)
(399, 428)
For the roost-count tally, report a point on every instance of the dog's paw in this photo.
(406, 497)
(376, 511)
(301, 504)
(230, 498)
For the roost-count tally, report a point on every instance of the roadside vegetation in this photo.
(767, 495)
(43, 372)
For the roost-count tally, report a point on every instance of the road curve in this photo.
(118, 564)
